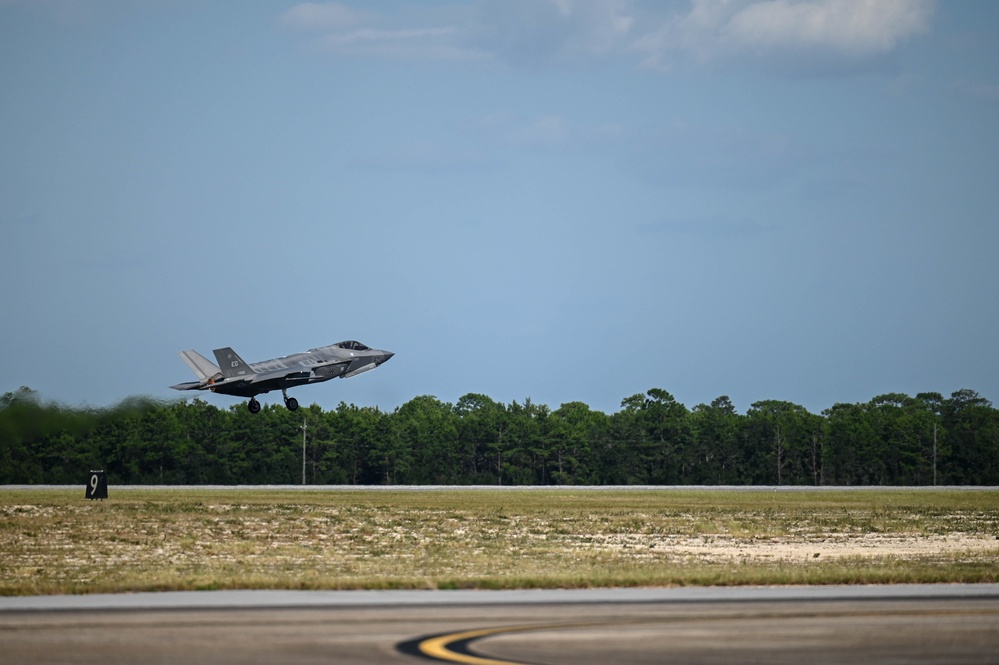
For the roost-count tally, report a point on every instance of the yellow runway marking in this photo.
(441, 647)
(437, 647)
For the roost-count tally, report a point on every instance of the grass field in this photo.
(55, 541)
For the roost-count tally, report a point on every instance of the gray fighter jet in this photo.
(234, 376)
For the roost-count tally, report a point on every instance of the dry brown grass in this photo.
(144, 539)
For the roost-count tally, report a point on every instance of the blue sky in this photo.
(555, 200)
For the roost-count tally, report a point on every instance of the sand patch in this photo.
(721, 548)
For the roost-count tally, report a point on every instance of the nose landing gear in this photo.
(253, 405)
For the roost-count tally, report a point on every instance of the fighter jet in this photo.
(234, 376)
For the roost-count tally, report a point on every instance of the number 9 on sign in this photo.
(98, 486)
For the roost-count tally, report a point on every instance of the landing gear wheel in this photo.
(253, 405)
(289, 402)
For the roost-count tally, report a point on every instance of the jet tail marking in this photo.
(231, 364)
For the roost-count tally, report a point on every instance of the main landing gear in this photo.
(254, 406)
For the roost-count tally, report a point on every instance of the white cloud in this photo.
(533, 32)
(520, 31)
(850, 27)
(597, 26)
(543, 32)
(831, 30)
(405, 34)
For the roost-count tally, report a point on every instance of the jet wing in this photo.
(298, 375)
(278, 375)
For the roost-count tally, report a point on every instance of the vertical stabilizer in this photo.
(231, 364)
(204, 368)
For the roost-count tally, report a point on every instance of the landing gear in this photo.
(254, 406)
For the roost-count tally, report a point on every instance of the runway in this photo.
(815, 625)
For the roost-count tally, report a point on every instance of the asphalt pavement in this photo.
(946, 623)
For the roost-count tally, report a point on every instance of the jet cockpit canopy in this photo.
(352, 345)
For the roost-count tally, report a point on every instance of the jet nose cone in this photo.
(385, 356)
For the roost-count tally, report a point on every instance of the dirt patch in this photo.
(718, 548)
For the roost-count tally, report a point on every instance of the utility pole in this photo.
(305, 426)
(934, 454)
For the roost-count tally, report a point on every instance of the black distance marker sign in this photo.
(97, 488)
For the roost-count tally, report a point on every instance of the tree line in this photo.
(653, 439)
